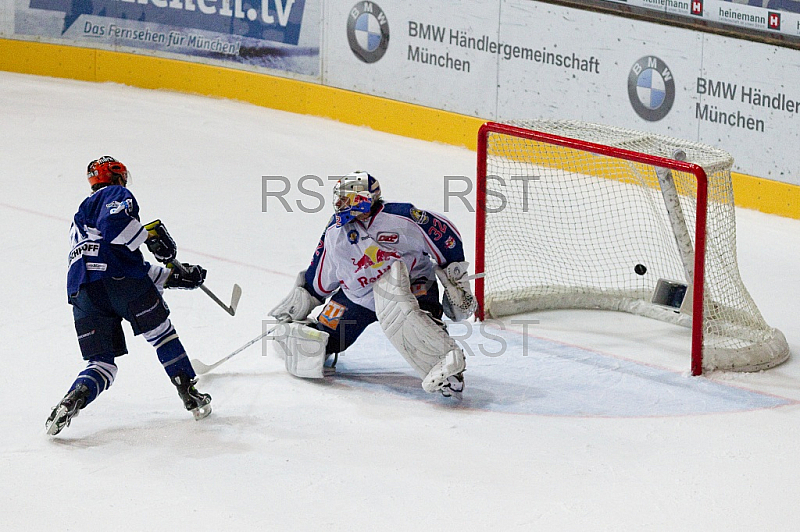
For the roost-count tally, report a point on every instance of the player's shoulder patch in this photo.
(118, 206)
(407, 210)
(117, 199)
(421, 217)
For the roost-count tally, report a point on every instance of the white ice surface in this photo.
(593, 424)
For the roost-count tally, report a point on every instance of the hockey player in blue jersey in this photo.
(379, 261)
(108, 281)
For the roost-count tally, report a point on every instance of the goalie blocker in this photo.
(303, 349)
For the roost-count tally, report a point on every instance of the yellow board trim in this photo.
(765, 195)
(399, 118)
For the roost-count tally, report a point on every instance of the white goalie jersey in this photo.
(355, 255)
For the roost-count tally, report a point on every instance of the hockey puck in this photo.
(640, 269)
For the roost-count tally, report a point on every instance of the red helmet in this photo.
(107, 171)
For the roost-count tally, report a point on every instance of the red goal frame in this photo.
(608, 151)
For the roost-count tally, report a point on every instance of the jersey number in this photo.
(437, 229)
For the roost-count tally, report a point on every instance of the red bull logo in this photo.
(363, 263)
(373, 258)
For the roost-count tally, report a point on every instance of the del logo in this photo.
(352, 237)
(368, 31)
(421, 217)
(651, 88)
(774, 20)
(697, 7)
(373, 257)
(388, 238)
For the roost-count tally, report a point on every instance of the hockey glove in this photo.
(185, 276)
(458, 302)
(298, 304)
(160, 243)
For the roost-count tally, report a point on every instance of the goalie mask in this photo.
(107, 171)
(354, 194)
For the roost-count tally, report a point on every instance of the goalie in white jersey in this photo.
(379, 261)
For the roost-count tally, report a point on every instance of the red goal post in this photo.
(586, 182)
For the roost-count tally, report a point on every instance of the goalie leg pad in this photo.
(303, 349)
(424, 344)
(452, 365)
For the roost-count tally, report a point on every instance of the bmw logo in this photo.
(368, 31)
(651, 88)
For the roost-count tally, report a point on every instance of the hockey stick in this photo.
(202, 369)
(235, 296)
(158, 231)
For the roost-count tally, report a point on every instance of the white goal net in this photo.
(576, 215)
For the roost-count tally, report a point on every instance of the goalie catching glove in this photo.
(160, 243)
(298, 304)
(458, 302)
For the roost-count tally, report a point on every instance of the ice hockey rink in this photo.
(582, 421)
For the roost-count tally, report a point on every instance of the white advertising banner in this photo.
(767, 16)
(733, 94)
(415, 52)
(747, 101)
(599, 68)
(6, 17)
(518, 59)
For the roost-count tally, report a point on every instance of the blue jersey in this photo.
(106, 234)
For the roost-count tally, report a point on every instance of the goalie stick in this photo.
(201, 368)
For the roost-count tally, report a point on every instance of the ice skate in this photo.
(68, 408)
(199, 404)
(447, 375)
(454, 385)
